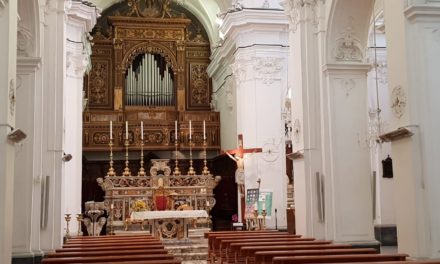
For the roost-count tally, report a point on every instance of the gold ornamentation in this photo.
(98, 83)
(199, 84)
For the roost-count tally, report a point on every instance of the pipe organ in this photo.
(149, 82)
(149, 62)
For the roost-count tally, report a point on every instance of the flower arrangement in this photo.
(234, 218)
(139, 205)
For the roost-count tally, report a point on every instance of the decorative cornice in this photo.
(81, 14)
(27, 65)
(425, 12)
(293, 9)
(343, 68)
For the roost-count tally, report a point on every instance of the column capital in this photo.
(293, 8)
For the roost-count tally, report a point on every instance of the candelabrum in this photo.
(79, 218)
(111, 170)
(67, 217)
(112, 232)
(191, 168)
(205, 170)
(126, 169)
(264, 213)
(141, 170)
(176, 168)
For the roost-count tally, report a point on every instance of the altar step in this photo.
(191, 251)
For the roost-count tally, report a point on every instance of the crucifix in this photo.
(237, 155)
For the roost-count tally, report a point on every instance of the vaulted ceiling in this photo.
(204, 10)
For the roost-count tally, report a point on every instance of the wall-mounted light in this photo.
(66, 157)
(16, 135)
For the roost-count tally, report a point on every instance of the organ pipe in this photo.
(147, 84)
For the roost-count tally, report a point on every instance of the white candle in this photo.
(112, 206)
(204, 129)
(207, 203)
(264, 206)
(175, 129)
(111, 129)
(189, 129)
(256, 206)
(142, 130)
(126, 130)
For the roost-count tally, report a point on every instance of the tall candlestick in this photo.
(189, 129)
(204, 129)
(126, 130)
(111, 129)
(142, 130)
(175, 129)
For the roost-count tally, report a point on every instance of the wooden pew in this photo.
(76, 241)
(339, 258)
(397, 262)
(110, 248)
(124, 243)
(114, 242)
(213, 244)
(221, 244)
(115, 252)
(224, 249)
(267, 256)
(107, 258)
(213, 233)
(249, 251)
(163, 261)
(236, 246)
(84, 238)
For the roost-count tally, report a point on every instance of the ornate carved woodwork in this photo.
(125, 31)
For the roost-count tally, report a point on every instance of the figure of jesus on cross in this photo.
(238, 156)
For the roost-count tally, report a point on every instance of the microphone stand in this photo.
(276, 222)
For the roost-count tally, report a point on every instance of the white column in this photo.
(347, 179)
(8, 43)
(51, 116)
(258, 53)
(304, 78)
(413, 38)
(80, 20)
(27, 179)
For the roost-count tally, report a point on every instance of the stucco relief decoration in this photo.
(12, 97)
(229, 96)
(199, 84)
(348, 46)
(24, 40)
(268, 69)
(398, 101)
(292, 8)
(150, 8)
(348, 85)
(239, 72)
(265, 4)
(98, 83)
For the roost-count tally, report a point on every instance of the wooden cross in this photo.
(240, 150)
(238, 155)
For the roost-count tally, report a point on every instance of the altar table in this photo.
(169, 224)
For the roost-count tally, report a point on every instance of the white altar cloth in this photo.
(149, 215)
(163, 223)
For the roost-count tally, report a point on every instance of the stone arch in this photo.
(153, 48)
(347, 27)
